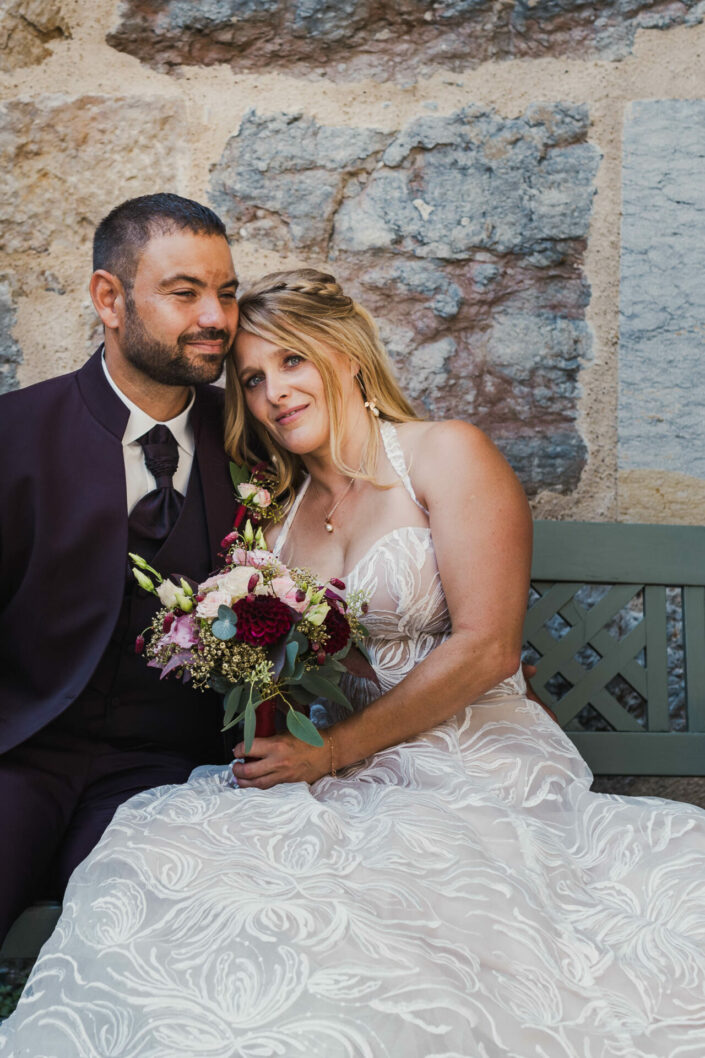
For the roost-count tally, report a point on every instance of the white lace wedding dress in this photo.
(462, 895)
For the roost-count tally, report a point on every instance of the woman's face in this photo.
(284, 392)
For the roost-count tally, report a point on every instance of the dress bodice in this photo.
(398, 575)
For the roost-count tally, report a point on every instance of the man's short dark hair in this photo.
(121, 237)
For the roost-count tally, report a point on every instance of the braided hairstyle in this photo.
(306, 311)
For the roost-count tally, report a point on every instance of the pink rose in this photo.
(263, 498)
(209, 605)
(286, 590)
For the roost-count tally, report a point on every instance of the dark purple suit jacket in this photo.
(63, 534)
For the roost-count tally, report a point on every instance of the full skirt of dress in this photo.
(462, 895)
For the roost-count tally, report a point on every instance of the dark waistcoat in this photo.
(125, 699)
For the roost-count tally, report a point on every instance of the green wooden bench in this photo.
(592, 661)
(572, 559)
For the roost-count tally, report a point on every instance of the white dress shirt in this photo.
(138, 479)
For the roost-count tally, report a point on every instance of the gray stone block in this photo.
(404, 40)
(463, 235)
(10, 352)
(662, 293)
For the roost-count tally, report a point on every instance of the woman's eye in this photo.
(252, 381)
(293, 360)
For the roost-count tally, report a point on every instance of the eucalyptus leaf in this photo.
(291, 651)
(301, 727)
(225, 626)
(238, 474)
(232, 702)
(296, 692)
(235, 720)
(324, 688)
(250, 719)
(299, 638)
(277, 655)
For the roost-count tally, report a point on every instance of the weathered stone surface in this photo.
(662, 293)
(67, 161)
(464, 236)
(10, 353)
(26, 27)
(352, 38)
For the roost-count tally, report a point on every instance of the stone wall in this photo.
(481, 174)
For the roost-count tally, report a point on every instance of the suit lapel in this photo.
(218, 492)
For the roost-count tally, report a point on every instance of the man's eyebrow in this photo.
(183, 277)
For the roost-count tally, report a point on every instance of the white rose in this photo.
(247, 489)
(235, 581)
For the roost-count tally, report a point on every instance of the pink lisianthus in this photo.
(208, 607)
(257, 558)
(288, 591)
(183, 632)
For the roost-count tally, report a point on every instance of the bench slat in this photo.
(607, 553)
(647, 753)
(656, 658)
(694, 646)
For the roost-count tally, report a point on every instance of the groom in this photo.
(125, 454)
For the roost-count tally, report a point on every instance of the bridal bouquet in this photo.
(267, 637)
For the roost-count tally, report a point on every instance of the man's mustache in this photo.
(213, 335)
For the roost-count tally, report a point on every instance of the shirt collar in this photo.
(140, 422)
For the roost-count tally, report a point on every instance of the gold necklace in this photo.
(327, 517)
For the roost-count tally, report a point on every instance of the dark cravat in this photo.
(153, 517)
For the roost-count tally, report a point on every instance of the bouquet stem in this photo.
(264, 719)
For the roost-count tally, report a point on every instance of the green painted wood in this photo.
(544, 608)
(656, 658)
(632, 671)
(611, 553)
(589, 623)
(30, 931)
(600, 674)
(600, 699)
(694, 644)
(570, 554)
(648, 753)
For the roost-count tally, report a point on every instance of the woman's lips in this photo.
(291, 415)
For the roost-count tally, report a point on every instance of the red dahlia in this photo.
(262, 620)
(338, 629)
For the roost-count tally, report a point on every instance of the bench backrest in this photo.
(613, 605)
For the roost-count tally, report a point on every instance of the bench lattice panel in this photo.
(580, 656)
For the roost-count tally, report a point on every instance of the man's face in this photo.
(181, 314)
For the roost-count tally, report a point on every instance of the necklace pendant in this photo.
(329, 527)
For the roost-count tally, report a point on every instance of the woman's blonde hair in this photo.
(307, 312)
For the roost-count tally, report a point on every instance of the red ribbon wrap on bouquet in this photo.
(265, 723)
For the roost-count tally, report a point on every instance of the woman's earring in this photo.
(372, 405)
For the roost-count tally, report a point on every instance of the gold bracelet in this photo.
(333, 771)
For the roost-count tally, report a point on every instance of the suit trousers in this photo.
(58, 792)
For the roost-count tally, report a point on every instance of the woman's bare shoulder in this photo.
(424, 442)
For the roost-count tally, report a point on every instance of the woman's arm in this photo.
(481, 529)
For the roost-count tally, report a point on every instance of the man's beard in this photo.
(170, 364)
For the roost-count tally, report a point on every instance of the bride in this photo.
(437, 880)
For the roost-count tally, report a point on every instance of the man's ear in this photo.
(108, 296)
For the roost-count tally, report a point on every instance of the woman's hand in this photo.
(280, 758)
